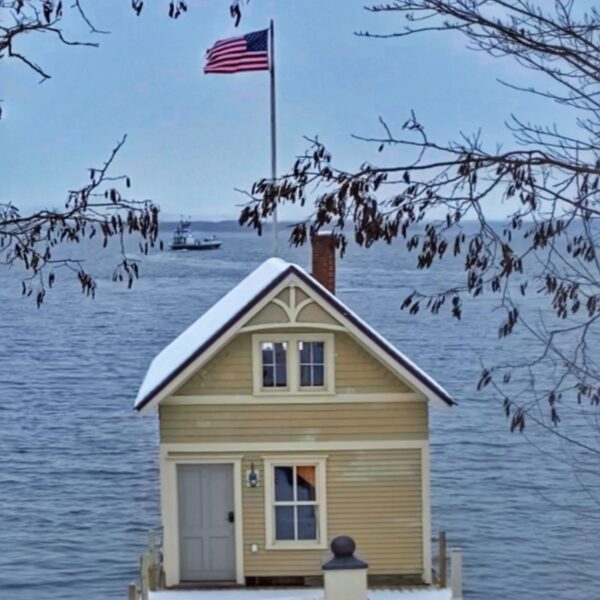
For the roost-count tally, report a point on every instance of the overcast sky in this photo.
(193, 138)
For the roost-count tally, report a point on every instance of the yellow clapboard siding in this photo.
(369, 412)
(381, 510)
(357, 371)
(277, 427)
(360, 409)
(373, 495)
(230, 371)
(192, 439)
(318, 422)
(401, 410)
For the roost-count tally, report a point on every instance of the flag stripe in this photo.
(233, 68)
(218, 55)
(232, 65)
(226, 41)
(234, 53)
(237, 69)
(238, 44)
(256, 57)
(245, 53)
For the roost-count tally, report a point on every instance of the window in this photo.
(274, 364)
(295, 503)
(293, 363)
(312, 363)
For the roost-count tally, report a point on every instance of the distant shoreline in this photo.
(228, 225)
(231, 225)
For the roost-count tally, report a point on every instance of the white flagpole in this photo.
(273, 129)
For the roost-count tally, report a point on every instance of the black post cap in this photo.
(342, 555)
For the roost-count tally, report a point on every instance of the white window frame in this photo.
(269, 464)
(311, 365)
(293, 363)
(274, 388)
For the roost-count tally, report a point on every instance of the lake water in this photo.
(78, 468)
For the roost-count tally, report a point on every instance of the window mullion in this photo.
(295, 499)
(318, 521)
(294, 362)
(294, 486)
(312, 360)
(296, 522)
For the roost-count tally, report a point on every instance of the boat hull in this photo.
(199, 246)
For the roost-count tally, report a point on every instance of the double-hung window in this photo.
(274, 364)
(296, 363)
(312, 363)
(295, 503)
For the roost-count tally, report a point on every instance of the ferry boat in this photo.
(184, 239)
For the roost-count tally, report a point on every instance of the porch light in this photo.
(252, 475)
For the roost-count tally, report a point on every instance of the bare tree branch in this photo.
(98, 208)
(547, 244)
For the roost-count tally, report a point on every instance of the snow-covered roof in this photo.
(199, 336)
(212, 321)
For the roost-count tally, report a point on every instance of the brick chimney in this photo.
(323, 259)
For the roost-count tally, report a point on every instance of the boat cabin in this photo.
(285, 421)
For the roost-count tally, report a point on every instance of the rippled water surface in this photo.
(78, 469)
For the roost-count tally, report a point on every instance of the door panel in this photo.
(206, 537)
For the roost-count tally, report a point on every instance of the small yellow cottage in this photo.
(285, 421)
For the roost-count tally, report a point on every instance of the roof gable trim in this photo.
(391, 352)
(142, 403)
(428, 386)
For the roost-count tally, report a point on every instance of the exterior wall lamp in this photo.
(252, 477)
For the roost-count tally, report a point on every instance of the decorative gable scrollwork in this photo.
(294, 308)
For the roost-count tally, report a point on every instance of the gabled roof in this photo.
(231, 309)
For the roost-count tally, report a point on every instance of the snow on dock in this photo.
(296, 594)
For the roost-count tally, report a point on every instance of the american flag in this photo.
(246, 53)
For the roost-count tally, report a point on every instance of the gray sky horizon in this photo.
(194, 138)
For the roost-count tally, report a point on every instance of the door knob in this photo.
(231, 517)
